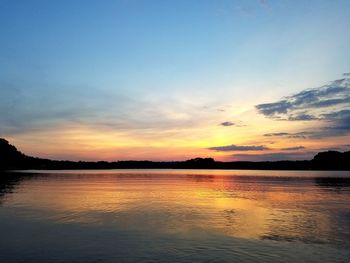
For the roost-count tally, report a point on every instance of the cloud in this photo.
(337, 115)
(227, 123)
(302, 117)
(327, 105)
(302, 135)
(293, 148)
(273, 109)
(276, 134)
(27, 107)
(279, 156)
(232, 148)
(331, 102)
(307, 103)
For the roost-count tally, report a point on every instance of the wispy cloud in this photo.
(329, 105)
(300, 135)
(31, 107)
(277, 134)
(302, 117)
(232, 148)
(293, 148)
(306, 103)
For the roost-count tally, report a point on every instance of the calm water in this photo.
(175, 216)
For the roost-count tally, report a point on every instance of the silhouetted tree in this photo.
(332, 160)
(11, 158)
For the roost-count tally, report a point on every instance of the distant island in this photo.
(12, 159)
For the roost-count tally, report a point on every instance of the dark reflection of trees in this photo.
(333, 184)
(9, 182)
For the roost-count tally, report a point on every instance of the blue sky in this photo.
(143, 71)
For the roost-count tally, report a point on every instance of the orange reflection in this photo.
(185, 202)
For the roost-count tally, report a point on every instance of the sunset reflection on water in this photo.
(187, 204)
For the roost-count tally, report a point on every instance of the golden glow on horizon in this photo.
(82, 142)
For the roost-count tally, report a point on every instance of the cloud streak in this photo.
(297, 135)
(30, 107)
(293, 148)
(232, 148)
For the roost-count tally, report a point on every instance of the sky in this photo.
(174, 80)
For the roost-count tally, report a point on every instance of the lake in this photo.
(175, 216)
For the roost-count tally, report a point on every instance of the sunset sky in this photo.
(173, 80)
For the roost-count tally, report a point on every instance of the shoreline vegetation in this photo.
(12, 159)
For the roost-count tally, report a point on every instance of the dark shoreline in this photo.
(12, 159)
